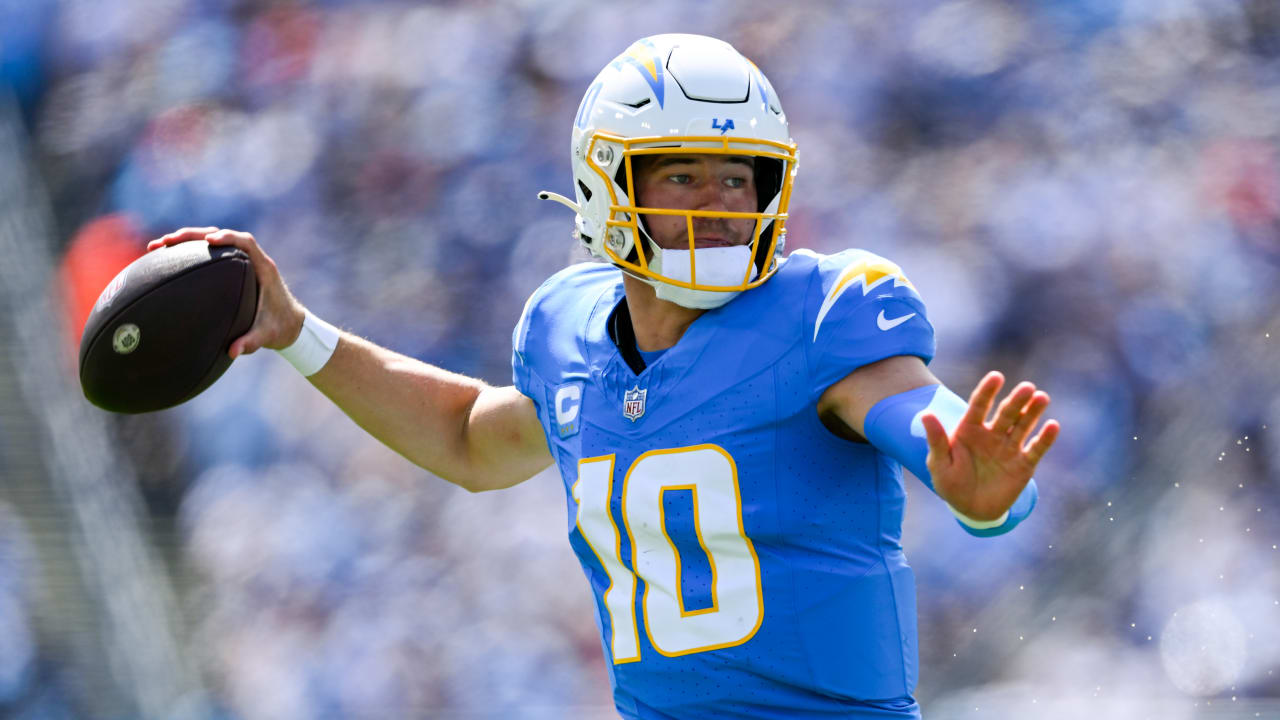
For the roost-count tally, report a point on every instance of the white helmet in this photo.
(680, 94)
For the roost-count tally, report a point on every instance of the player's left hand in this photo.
(982, 467)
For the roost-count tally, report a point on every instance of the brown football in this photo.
(159, 333)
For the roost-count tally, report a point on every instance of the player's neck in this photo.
(658, 324)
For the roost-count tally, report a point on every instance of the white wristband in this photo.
(979, 524)
(314, 346)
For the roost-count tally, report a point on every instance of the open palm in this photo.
(982, 466)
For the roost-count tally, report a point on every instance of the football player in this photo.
(730, 422)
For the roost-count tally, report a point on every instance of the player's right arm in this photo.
(469, 433)
(472, 434)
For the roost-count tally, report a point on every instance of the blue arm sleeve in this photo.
(893, 426)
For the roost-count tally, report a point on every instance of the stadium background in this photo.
(1085, 192)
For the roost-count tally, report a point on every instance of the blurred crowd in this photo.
(1086, 193)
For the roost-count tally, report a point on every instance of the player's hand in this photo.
(983, 466)
(279, 318)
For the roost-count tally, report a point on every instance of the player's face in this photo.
(696, 182)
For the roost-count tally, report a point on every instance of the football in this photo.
(159, 333)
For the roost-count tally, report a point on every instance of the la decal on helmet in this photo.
(680, 94)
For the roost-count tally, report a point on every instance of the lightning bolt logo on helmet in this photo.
(641, 55)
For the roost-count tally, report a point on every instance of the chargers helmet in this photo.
(680, 94)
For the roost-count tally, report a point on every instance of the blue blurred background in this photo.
(1086, 193)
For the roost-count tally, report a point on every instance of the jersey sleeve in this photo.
(545, 341)
(521, 374)
(859, 309)
(536, 322)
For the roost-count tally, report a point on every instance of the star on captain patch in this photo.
(633, 403)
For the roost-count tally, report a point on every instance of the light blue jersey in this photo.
(745, 562)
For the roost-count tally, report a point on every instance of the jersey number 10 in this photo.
(737, 604)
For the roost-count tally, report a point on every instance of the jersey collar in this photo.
(614, 363)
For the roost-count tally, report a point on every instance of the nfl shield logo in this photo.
(633, 403)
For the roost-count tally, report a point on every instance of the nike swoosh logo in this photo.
(886, 324)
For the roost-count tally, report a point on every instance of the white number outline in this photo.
(615, 566)
(629, 653)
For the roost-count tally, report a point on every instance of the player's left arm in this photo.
(981, 467)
